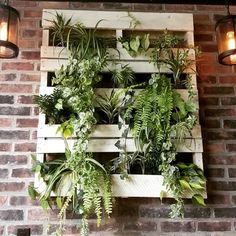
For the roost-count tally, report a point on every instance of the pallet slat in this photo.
(121, 19)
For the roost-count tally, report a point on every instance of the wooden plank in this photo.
(101, 131)
(51, 52)
(56, 145)
(45, 41)
(121, 19)
(197, 159)
(137, 66)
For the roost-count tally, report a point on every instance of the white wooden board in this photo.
(121, 19)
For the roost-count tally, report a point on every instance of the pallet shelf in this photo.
(105, 136)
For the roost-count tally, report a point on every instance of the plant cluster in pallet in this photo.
(158, 118)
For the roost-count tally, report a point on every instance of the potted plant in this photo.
(157, 117)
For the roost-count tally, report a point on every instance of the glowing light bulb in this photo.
(3, 31)
(231, 44)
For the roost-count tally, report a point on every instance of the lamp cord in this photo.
(227, 7)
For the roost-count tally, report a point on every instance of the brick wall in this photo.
(19, 81)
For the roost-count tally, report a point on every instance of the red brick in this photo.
(210, 8)
(147, 7)
(54, 5)
(22, 201)
(218, 199)
(214, 147)
(22, 173)
(24, 99)
(179, 7)
(14, 134)
(214, 226)
(210, 123)
(25, 43)
(29, 34)
(201, 17)
(11, 215)
(232, 172)
(30, 77)
(3, 201)
(6, 122)
(212, 69)
(206, 79)
(218, 90)
(203, 37)
(26, 23)
(209, 101)
(228, 79)
(21, 111)
(6, 99)
(11, 159)
(204, 27)
(231, 147)
(230, 124)
(26, 122)
(3, 173)
(17, 3)
(219, 112)
(29, 55)
(41, 215)
(7, 77)
(221, 159)
(222, 185)
(32, 13)
(34, 229)
(214, 172)
(25, 147)
(221, 134)
(5, 147)
(228, 101)
(140, 226)
(179, 226)
(15, 88)
(12, 187)
(17, 66)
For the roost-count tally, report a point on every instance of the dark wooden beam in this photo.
(198, 2)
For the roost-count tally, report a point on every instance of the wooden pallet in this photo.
(105, 136)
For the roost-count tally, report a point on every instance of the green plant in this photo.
(54, 106)
(83, 180)
(109, 105)
(157, 116)
(135, 45)
(123, 77)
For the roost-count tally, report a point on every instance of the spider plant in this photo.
(109, 104)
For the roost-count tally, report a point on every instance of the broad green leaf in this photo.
(32, 192)
(182, 165)
(67, 133)
(37, 168)
(59, 105)
(145, 42)
(198, 199)
(126, 46)
(184, 184)
(196, 186)
(44, 204)
(162, 194)
(135, 43)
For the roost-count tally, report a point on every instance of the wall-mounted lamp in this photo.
(9, 19)
(226, 39)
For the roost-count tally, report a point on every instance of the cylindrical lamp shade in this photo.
(225, 34)
(9, 19)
